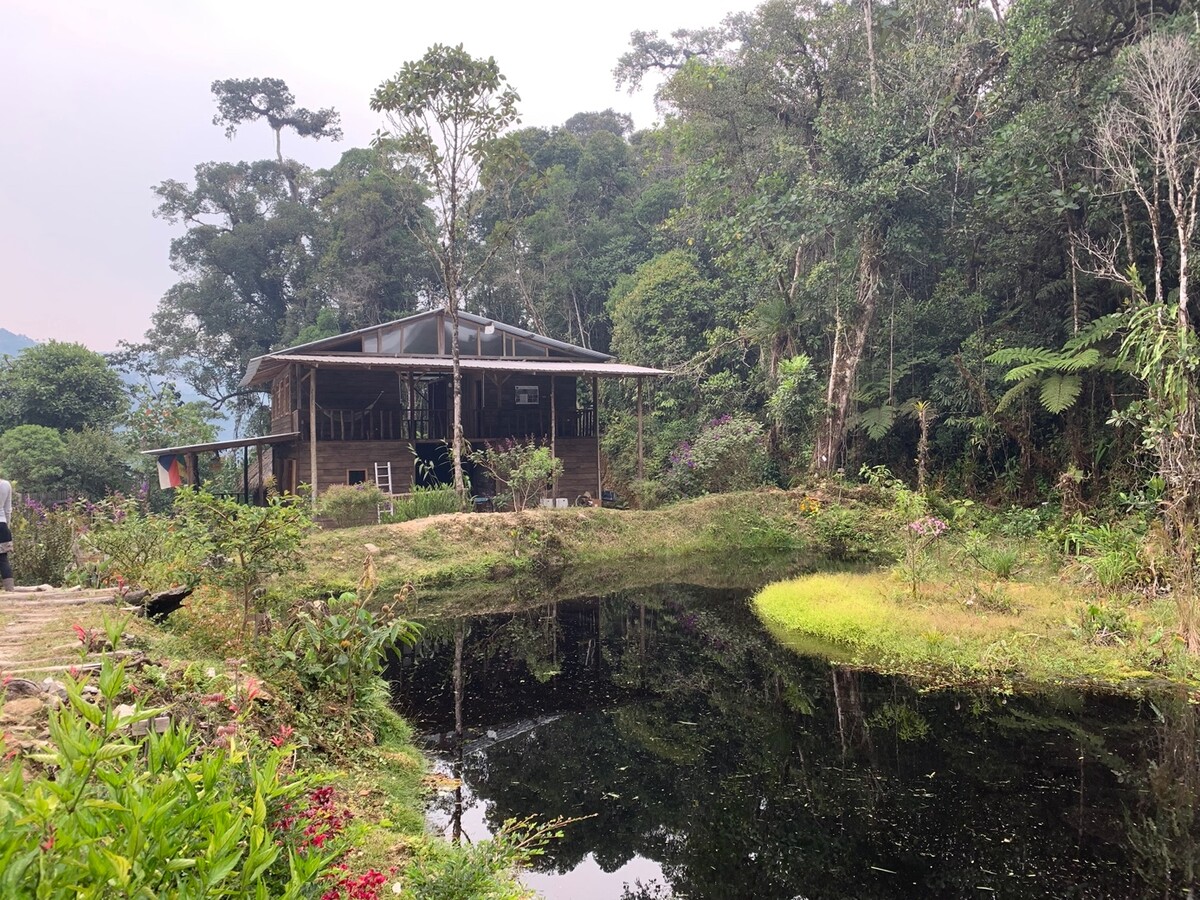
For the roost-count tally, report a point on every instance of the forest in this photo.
(926, 235)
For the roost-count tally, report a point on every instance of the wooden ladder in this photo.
(383, 481)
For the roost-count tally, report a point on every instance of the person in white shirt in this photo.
(6, 541)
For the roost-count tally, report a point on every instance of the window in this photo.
(527, 395)
(356, 476)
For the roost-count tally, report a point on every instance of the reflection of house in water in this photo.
(383, 394)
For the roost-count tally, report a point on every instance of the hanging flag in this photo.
(170, 471)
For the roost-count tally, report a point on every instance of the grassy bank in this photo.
(481, 549)
(1046, 630)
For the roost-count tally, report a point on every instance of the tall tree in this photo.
(447, 112)
(241, 100)
(1149, 142)
(59, 386)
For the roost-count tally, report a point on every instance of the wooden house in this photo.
(344, 407)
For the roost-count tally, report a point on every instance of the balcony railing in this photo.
(434, 425)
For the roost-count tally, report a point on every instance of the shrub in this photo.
(424, 502)
(243, 545)
(351, 504)
(838, 531)
(102, 813)
(134, 545)
(339, 645)
(522, 467)
(648, 493)
(729, 454)
(43, 542)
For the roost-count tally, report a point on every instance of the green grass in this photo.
(470, 549)
(945, 635)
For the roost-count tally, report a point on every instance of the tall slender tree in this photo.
(447, 112)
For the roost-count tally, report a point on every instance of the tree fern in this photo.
(1059, 392)
(1056, 373)
(877, 421)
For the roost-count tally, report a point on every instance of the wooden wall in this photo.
(579, 467)
(335, 458)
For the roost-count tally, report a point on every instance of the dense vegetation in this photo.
(860, 222)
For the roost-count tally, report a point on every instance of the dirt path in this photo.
(36, 637)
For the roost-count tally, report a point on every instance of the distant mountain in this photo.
(12, 344)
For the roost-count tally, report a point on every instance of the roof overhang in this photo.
(267, 367)
(214, 446)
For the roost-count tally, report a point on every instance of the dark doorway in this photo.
(435, 467)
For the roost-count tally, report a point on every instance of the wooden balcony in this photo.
(434, 425)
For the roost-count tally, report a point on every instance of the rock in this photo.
(158, 725)
(371, 549)
(50, 686)
(123, 710)
(166, 602)
(21, 711)
(23, 687)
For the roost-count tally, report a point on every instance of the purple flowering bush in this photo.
(43, 541)
(729, 454)
(919, 535)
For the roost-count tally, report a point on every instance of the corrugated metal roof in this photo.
(269, 365)
(226, 445)
(463, 317)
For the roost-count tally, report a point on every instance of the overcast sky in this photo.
(106, 99)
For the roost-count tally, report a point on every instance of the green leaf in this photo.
(1059, 392)
(1014, 393)
(878, 421)
(1085, 359)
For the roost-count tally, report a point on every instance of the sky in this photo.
(107, 99)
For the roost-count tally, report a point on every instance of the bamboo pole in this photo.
(312, 432)
(262, 482)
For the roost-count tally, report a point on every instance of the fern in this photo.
(877, 422)
(1014, 393)
(1059, 392)
(1056, 372)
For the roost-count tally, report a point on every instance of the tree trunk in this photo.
(844, 370)
(456, 381)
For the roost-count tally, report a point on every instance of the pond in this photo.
(707, 761)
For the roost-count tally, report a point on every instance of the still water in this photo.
(713, 763)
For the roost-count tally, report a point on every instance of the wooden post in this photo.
(596, 413)
(262, 482)
(246, 474)
(412, 405)
(312, 432)
(641, 468)
(553, 432)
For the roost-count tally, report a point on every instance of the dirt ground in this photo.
(36, 637)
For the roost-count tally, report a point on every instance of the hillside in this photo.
(12, 344)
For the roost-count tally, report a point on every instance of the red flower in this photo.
(284, 735)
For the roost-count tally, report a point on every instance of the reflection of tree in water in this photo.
(747, 771)
(1163, 824)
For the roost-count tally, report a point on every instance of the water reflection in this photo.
(717, 764)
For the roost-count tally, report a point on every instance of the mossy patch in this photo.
(946, 635)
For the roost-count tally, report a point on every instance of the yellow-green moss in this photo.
(945, 634)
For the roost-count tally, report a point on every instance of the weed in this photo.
(422, 503)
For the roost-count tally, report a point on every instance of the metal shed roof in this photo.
(213, 446)
(268, 366)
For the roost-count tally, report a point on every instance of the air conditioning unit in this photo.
(527, 395)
